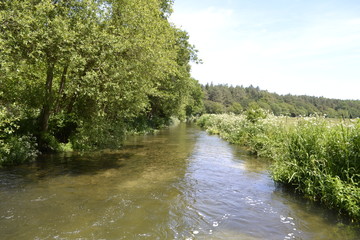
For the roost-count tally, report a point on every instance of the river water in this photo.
(180, 183)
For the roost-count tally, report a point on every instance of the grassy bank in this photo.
(320, 158)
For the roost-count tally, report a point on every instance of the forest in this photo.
(226, 99)
(82, 74)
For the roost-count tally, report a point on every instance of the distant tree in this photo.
(280, 104)
(214, 107)
(235, 108)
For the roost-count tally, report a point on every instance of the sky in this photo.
(301, 47)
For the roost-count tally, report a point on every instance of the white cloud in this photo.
(207, 19)
(311, 57)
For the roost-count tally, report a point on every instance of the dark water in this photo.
(178, 184)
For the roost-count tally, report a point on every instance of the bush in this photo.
(17, 150)
(14, 148)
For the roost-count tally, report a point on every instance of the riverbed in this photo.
(180, 183)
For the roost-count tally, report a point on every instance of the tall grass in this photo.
(318, 157)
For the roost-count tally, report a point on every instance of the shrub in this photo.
(14, 149)
(17, 150)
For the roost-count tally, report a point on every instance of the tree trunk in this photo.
(48, 101)
(61, 97)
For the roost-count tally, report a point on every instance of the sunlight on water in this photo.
(178, 184)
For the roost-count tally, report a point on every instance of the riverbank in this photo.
(20, 142)
(159, 186)
(317, 157)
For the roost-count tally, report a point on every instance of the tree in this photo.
(43, 45)
(279, 104)
(80, 63)
(235, 108)
(214, 107)
(195, 105)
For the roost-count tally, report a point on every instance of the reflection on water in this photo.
(178, 184)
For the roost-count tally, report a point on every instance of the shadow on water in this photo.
(71, 164)
(80, 164)
(77, 164)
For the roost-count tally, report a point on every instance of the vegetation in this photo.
(81, 74)
(224, 99)
(85, 72)
(319, 157)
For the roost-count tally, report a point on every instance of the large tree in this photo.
(92, 59)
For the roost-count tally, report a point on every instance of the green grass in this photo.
(319, 157)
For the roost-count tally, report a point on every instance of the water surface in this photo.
(178, 184)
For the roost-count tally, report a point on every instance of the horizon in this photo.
(299, 47)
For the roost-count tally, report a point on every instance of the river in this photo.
(180, 183)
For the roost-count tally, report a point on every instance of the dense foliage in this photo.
(319, 157)
(88, 71)
(225, 99)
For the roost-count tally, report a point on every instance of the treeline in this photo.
(226, 99)
(86, 72)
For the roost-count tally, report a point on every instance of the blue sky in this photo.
(300, 47)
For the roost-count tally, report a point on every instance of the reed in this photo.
(319, 157)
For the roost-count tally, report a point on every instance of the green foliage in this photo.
(235, 108)
(320, 158)
(214, 107)
(194, 105)
(221, 99)
(14, 148)
(78, 68)
(98, 134)
(254, 113)
(8, 123)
